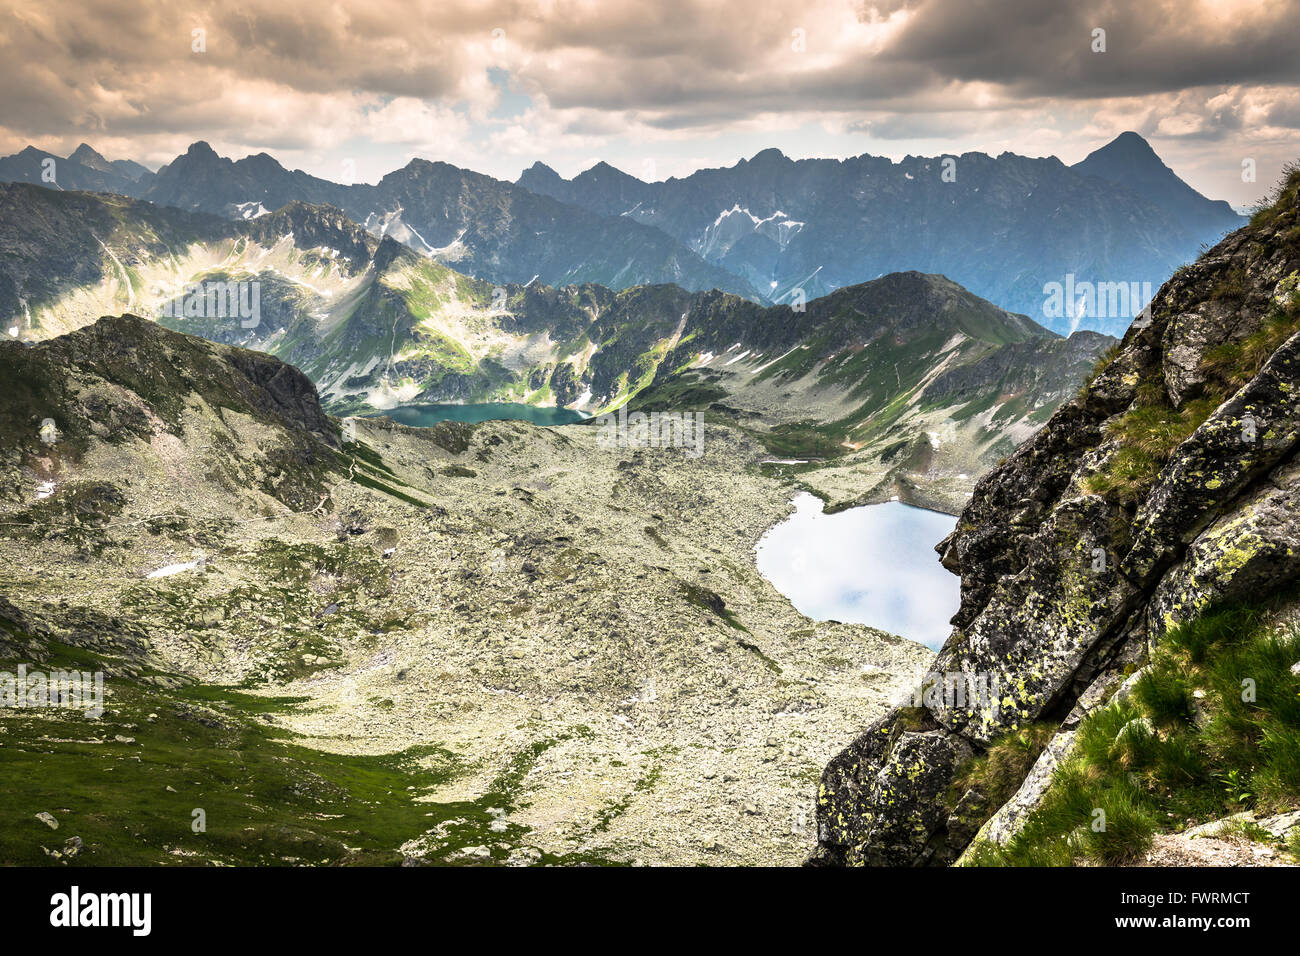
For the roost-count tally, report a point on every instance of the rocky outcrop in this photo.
(1168, 484)
(1011, 815)
(127, 379)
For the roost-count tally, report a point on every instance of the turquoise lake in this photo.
(422, 416)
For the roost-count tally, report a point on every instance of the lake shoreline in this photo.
(873, 565)
(428, 414)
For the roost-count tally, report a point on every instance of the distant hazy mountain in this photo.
(83, 155)
(1003, 227)
(768, 228)
(483, 226)
(201, 181)
(84, 169)
(1129, 162)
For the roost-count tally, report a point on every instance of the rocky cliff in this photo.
(1166, 487)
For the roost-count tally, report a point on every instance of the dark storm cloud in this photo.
(1046, 49)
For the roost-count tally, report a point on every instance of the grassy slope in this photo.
(1190, 745)
(128, 784)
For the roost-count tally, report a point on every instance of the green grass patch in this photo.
(1211, 729)
(999, 771)
(804, 440)
(712, 602)
(1148, 433)
(129, 784)
(361, 478)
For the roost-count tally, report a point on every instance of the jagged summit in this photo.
(603, 175)
(539, 176)
(816, 224)
(200, 149)
(762, 228)
(1129, 162)
(767, 157)
(87, 156)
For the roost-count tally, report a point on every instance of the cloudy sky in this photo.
(656, 87)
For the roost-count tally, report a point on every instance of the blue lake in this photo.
(873, 565)
(422, 416)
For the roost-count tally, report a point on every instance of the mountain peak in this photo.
(388, 251)
(1129, 146)
(540, 178)
(87, 156)
(200, 149)
(1129, 161)
(603, 170)
(769, 155)
(261, 163)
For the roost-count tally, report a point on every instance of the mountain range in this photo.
(483, 226)
(770, 228)
(906, 375)
(1003, 226)
(83, 169)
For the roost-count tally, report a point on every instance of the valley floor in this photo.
(493, 642)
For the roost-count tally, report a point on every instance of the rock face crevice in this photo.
(1169, 484)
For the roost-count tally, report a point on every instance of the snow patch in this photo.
(250, 210)
(169, 570)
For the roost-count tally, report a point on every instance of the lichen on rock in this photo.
(1071, 568)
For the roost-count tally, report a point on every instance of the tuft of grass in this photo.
(999, 771)
(1293, 844)
(1212, 728)
(1285, 196)
(1147, 433)
(1231, 285)
(1236, 363)
(1166, 697)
